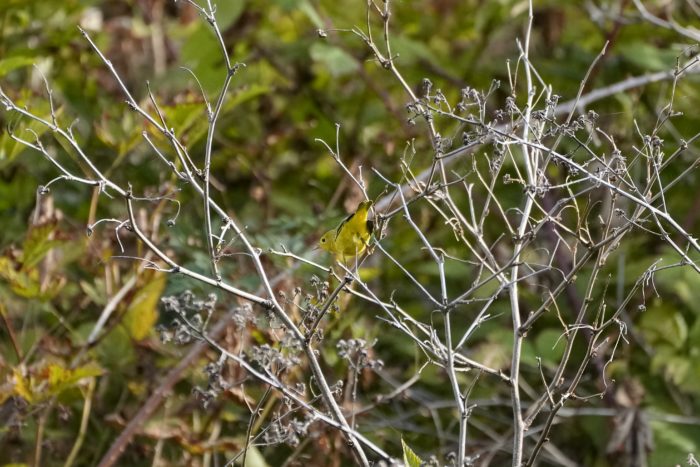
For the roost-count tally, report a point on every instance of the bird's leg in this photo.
(366, 243)
(370, 247)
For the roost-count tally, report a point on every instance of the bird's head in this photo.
(327, 240)
(365, 205)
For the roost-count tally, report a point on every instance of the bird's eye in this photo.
(323, 240)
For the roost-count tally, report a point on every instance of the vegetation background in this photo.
(64, 403)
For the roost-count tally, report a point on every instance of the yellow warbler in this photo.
(351, 237)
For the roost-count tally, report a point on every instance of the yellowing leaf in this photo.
(22, 386)
(142, 312)
(49, 380)
(410, 458)
(61, 378)
(22, 273)
(137, 388)
(24, 284)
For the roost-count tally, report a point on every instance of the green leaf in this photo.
(190, 118)
(255, 458)
(647, 56)
(410, 458)
(95, 291)
(10, 149)
(410, 51)
(334, 59)
(116, 350)
(142, 313)
(664, 324)
(23, 284)
(61, 378)
(673, 442)
(677, 369)
(311, 13)
(550, 345)
(37, 244)
(12, 63)
(228, 12)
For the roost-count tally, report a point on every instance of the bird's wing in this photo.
(347, 219)
(370, 226)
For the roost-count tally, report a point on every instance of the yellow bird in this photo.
(351, 237)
